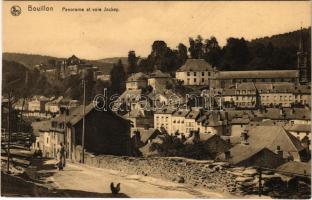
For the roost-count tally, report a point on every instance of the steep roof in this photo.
(137, 77)
(147, 134)
(300, 168)
(180, 113)
(193, 114)
(302, 89)
(269, 137)
(159, 74)
(131, 94)
(203, 137)
(195, 65)
(258, 74)
(298, 127)
(166, 110)
(287, 113)
(246, 86)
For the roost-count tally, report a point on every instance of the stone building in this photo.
(195, 72)
(158, 80)
(260, 143)
(105, 132)
(163, 119)
(136, 81)
(226, 79)
(243, 95)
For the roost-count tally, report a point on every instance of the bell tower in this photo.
(302, 60)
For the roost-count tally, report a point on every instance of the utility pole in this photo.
(9, 131)
(83, 118)
(260, 181)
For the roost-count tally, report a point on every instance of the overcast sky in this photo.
(138, 24)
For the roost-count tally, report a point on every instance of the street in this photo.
(84, 181)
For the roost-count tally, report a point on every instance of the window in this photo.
(47, 140)
(188, 74)
(194, 73)
(203, 80)
(203, 73)
(208, 73)
(194, 80)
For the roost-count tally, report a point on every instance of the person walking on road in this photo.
(62, 155)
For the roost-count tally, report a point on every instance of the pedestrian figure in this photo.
(59, 160)
(62, 152)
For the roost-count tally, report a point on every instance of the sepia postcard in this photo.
(156, 99)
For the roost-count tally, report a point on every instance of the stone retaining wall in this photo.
(207, 174)
(218, 176)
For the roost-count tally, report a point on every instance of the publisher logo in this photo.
(16, 10)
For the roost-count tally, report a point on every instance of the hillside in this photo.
(24, 81)
(124, 60)
(28, 60)
(284, 40)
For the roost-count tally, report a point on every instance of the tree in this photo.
(118, 78)
(212, 51)
(236, 55)
(196, 48)
(132, 60)
(182, 53)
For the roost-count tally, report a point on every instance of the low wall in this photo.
(218, 176)
(207, 174)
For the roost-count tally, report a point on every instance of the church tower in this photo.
(302, 60)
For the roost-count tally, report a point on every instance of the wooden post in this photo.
(83, 119)
(260, 181)
(9, 132)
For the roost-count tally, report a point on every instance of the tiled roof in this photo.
(203, 137)
(131, 94)
(211, 119)
(240, 120)
(159, 74)
(258, 74)
(180, 113)
(296, 167)
(193, 114)
(146, 134)
(268, 137)
(166, 110)
(298, 127)
(302, 89)
(246, 86)
(287, 113)
(195, 65)
(137, 77)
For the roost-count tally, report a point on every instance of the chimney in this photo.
(278, 151)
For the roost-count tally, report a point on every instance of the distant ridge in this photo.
(290, 39)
